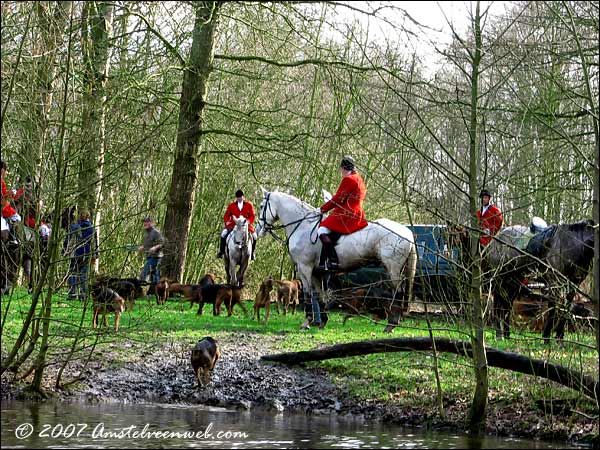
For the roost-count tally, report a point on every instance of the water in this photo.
(79, 425)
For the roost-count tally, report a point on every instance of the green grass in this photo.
(404, 378)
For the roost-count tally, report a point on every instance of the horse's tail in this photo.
(410, 270)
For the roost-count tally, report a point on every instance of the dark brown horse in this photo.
(17, 254)
(9, 259)
(562, 260)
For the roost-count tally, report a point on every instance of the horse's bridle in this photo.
(244, 240)
(269, 228)
(263, 216)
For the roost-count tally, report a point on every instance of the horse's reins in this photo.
(270, 227)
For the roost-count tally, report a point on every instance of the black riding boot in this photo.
(253, 256)
(333, 263)
(328, 260)
(324, 252)
(222, 247)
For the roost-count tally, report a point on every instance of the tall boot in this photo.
(324, 252)
(222, 247)
(253, 256)
(332, 258)
(328, 260)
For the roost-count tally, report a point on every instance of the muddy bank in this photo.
(140, 372)
(163, 373)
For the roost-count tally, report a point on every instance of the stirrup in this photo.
(333, 265)
(328, 267)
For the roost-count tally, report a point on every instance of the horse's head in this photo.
(585, 231)
(268, 214)
(579, 238)
(240, 231)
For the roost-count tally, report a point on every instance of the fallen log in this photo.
(496, 358)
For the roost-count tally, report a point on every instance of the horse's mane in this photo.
(578, 227)
(290, 197)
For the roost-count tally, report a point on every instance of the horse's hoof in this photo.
(305, 325)
(388, 329)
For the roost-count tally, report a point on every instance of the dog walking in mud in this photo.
(204, 357)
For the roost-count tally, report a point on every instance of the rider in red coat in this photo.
(237, 208)
(347, 215)
(490, 218)
(8, 211)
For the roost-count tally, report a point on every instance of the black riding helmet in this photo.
(485, 193)
(239, 193)
(347, 163)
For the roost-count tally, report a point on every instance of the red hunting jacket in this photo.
(233, 211)
(491, 221)
(347, 215)
(7, 210)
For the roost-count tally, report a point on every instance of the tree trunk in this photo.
(51, 270)
(596, 203)
(97, 20)
(52, 27)
(593, 109)
(496, 358)
(477, 412)
(181, 195)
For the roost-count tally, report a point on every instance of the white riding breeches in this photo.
(5, 226)
(323, 230)
(45, 231)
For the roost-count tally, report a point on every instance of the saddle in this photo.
(538, 245)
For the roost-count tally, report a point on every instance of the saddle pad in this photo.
(537, 245)
(521, 240)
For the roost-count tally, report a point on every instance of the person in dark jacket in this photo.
(81, 246)
(152, 248)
